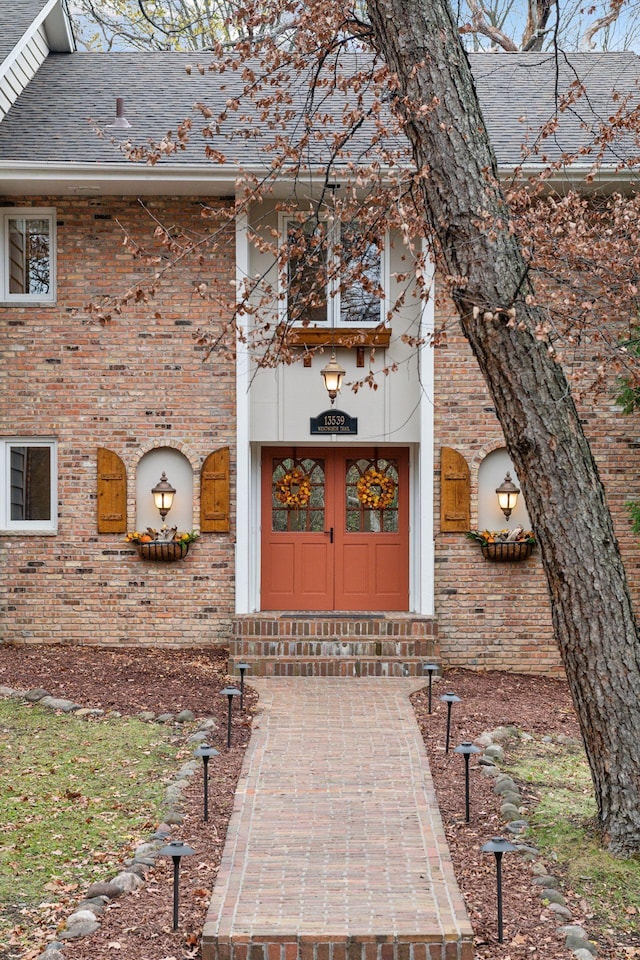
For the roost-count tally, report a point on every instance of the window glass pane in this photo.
(298, 495)
(371, 496)
(30, 483)
(29, 256)
(360, 279)
(307, 286)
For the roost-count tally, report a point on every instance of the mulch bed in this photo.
(489, 700)
(138, 926)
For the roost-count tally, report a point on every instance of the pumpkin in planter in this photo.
(504, 546)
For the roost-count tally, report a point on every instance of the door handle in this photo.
(330, 532)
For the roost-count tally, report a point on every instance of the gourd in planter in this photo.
(165, 544)
(504, 546)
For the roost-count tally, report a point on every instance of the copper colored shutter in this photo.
(214, 493)
(112, 492)
(455, 492)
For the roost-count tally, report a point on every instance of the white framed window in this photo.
(27, 265)
(334, 276)
(29, 491)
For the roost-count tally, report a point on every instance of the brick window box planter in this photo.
(506, 551)
(163, 550)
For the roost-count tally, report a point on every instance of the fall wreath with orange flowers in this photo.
(294, 488)
(375, 490)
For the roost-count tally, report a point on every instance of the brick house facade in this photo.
(137, 385)
(128, 387)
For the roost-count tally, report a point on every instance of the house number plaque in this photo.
(333, 421)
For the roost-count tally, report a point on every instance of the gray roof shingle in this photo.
(518, 95)
(50, 122)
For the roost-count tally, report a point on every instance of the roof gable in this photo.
(31, 29)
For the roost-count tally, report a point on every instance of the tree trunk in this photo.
(468, 217)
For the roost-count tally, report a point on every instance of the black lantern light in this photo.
(176, 849)
(499, 846)
(163, 494)
(205, 751)
(242, 668)
(466, 748)
(431, 668)
(449, 699)
(507, 495)
(230, 693)
(333, 375)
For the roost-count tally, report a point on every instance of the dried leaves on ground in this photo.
(138, 926)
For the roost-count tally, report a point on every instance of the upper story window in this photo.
(27, 266)
(28, 491)
(335, 274)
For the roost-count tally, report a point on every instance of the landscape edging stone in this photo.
(576, 939)
(77, 926)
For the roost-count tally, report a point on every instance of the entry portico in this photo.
(333, 555)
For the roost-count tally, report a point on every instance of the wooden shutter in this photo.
(214, 493)
(112, 492)
(455, 492)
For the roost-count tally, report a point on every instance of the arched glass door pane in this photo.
(371, 496)
(298, 495)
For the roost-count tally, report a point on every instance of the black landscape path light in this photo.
(449, 699)
(176, 849)
(230, 693)
(205, 751)
(466, 748)
(498, 846)
(431, 668)
(242, 667)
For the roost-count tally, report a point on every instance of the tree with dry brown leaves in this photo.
(372, 120)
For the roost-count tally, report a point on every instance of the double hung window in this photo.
(27, 265)
(334, 276)
(28, 494)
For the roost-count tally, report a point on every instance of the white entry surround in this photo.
(274, 407)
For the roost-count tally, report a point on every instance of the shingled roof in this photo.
(55, 117)
(518, 96)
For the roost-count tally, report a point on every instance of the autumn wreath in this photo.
(375, 490)
(294, 488)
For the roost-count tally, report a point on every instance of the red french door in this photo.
(335, 529)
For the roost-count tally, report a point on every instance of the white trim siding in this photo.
(423, 552)
(245, 545)
(50, 31)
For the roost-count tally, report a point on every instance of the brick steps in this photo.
(379, 947)
(376, 645)
(332, 667)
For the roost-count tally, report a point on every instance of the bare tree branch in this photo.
(587, 39)
(480, 24)
(537, 18)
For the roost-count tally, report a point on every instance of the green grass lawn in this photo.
(563, 828)
(75, 795)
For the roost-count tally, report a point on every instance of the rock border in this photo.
(513, 812)
(85, 919)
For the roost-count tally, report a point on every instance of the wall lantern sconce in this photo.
(507, 495)
(333, 375)
(163, 494)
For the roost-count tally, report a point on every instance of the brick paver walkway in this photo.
(336, 850)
